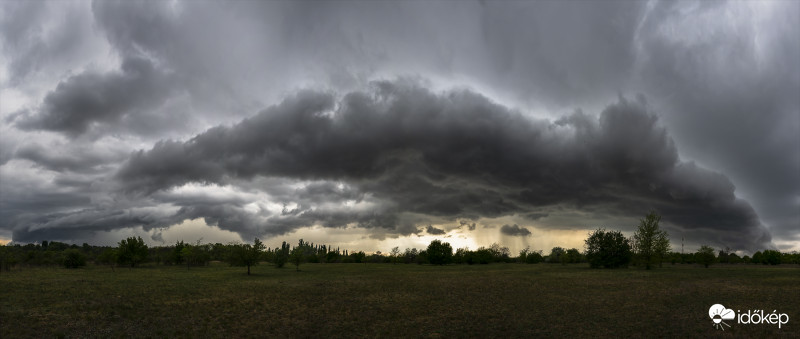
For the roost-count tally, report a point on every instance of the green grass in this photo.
(384, 300)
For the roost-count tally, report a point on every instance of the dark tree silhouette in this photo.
(439, 253)
(395, 253)
(608, 249)
(246, 254)
(555, 255)
(281, 255)
(771, 257)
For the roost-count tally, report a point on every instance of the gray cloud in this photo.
(40, 36)
(470, 226)
(90, 98)
(81, 159)
(457, 155)
(731, 94)
(515, 230)
(434, 231)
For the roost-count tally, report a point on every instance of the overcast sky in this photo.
(374, 124)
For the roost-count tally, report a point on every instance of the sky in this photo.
(373, 124)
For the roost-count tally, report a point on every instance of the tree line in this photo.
(649, 247)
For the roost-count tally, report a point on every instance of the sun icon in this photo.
(718, 314)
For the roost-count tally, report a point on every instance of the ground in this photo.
(385, 300)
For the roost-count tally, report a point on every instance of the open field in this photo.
(384, 300)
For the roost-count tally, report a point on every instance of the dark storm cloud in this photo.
(470, 226)
(457, 155)
(434, 231)
(515, 230)
(721, 75)
(84, 223)
(731, 94)
(91, 98)
(81, 160)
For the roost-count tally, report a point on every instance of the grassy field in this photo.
(384, 300)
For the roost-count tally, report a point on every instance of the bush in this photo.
(609, 249)
(534, 257)
(73, 259)
(482, 256)
(573, 256)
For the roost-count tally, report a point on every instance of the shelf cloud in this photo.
(401, 120)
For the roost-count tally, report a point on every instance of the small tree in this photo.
(395, 253)
(439, 253)
(132, 251)
(650, 243)
(176, 257)
(246, 254)
(108, 257)
(609, 249)
(297, 257)
(705, 255)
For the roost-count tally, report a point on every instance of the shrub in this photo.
(534, 257)
(73, 258)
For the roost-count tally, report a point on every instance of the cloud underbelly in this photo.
(452, 155)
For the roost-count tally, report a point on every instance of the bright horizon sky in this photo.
(370, 125)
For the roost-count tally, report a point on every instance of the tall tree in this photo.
(650, 243)
(281, 255)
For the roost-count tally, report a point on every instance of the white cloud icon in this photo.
(718, 313)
